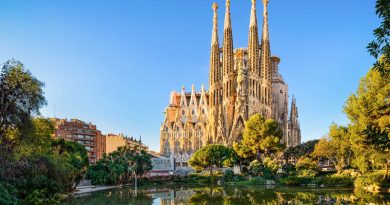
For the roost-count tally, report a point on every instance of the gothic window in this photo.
(183, 112)
(193, 112)
(203, 111)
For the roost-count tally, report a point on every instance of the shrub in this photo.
(256, 181)
(266, 170)
(40, 197)
(335, 181)
(372, 179)
(289, 169)
(229, 176)
(307, 167)
(6, 197)
(255, 168)
(295, 180)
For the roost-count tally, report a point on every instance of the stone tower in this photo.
(253, 64)
(229, 74)
(214, 80)
(265, 62)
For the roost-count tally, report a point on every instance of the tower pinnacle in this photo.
(228, 57)
(265, 47)
(265, 16)
(215, 72)
(228, 22)
(253, 42)
(215, 24)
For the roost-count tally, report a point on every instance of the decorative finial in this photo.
(240, 54)
(183, 88)
(202, 87)
(227, 3)
(215, 7)
(193, 87)
(254, 2)
(265, 2)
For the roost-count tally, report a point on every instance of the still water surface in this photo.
(229, 195)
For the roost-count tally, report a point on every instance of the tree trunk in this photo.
(211, 171)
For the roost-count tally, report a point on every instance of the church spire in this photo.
(265, 58)
(227, 43)
(265, 46)
(215, 70)
(214, 39)
(253, 42)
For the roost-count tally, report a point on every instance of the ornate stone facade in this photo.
(242, 82)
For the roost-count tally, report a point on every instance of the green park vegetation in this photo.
(120, 167)
(34, 168)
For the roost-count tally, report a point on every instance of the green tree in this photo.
(75, 160)
(336, 147)
(380, 48)
(368, 108)
(304, 149)
(120, 166)
(380, 140)
(211, 155)
(306, 166)
(261, 137)
(21, 95)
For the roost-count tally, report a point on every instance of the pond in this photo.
(228, 195)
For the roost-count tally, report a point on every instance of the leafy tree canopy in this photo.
(380, 48)
(21, 95)
(261, 136)
(211, 155)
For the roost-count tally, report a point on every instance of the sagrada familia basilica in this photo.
(242, 82)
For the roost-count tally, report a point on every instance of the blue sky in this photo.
(114, 63)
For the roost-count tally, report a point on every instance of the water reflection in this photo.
(229, 195)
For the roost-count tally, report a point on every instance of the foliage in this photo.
(40, 197)
(37, 166)
(211, 155)
(21, 95)
(295, 180)
(255, 181)
(300, 150)
(120, 166)
(336, 148)
(369, 112)
(307, 167)
(372, 179)
(267, 169)
(255, 168)
(261, 137)
(6, 197)
(335, 181)
(229, 176)
(380, 46)
(328, 181)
